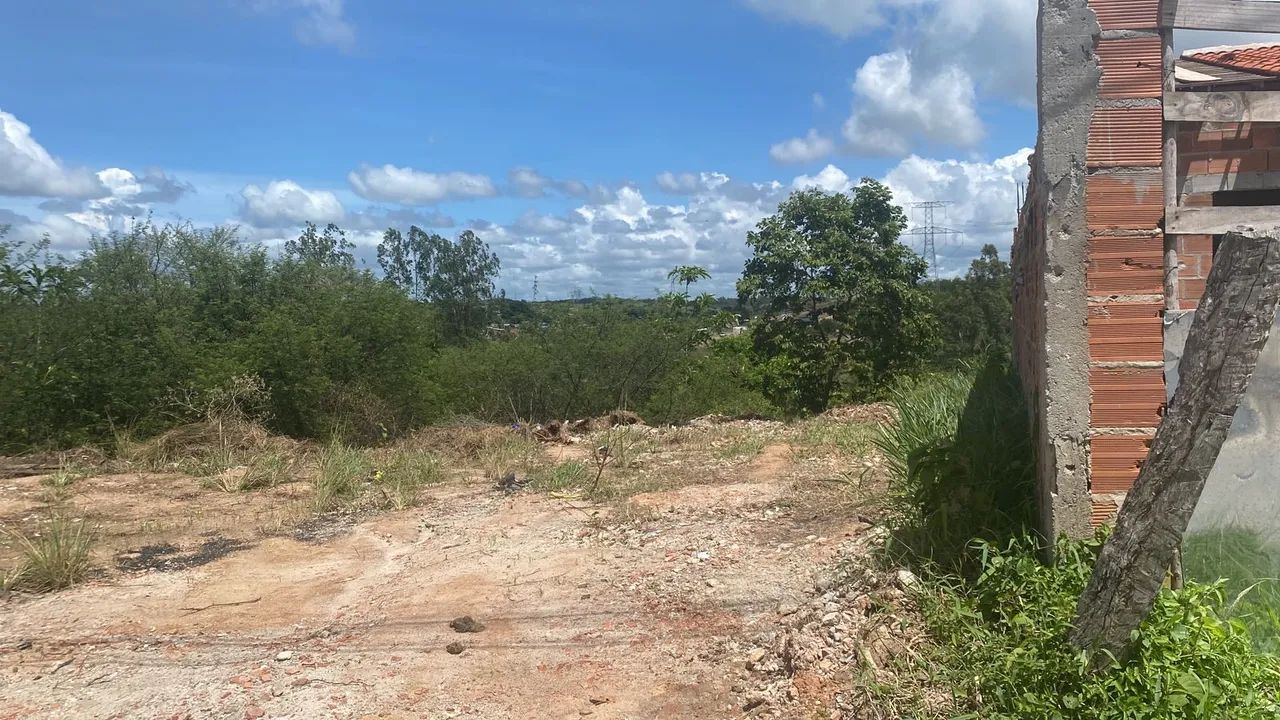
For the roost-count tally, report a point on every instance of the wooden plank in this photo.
(1256, 106)
(1261, 221)
(1231, 328)
(1233, 15)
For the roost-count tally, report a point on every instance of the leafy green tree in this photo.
(456, 277)
(974, 312)
(329, 247)
(843, 310)
(687, 275)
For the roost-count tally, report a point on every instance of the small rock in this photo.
(788, 609)
(466, 624)
(284, 656)
(755, 656)
(599, 700)
(831, 618)
(24, 645)
(711, 583)
(907, 579)
(253, 712)
(454, 648)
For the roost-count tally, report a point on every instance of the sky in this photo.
(594, 144)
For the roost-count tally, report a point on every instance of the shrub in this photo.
(342, 471)
(53, 558)
(404, 474)
(561, 476)
(961, 462)
(1002, 647)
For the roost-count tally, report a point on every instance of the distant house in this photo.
(1141, 164)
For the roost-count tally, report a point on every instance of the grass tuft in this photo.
(562, 476)
(343, 469)
(53, 558)
(405, 473)
(507, 453)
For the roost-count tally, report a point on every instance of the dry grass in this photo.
(506, 454)
(54, 557)
(403, 473)
(343, 470)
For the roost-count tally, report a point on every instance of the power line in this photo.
(930, 231)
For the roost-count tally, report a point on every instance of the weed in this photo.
(53, 558)
(1249, 569)
(342, 471)
(826, 435)
(66, 475)
(505, 454)
(741, 445)
(562, 476)
(267, 470)
(404, 474)
(625, 444)
(1002, 647)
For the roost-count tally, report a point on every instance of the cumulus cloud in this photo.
(27, 169)
(284, 203)
(689, 183)
(527, 182)
(893, 109)
(813, 146)
(945, 55)
(983, 197)
(408, 186)
(830, 178)
(316, 22)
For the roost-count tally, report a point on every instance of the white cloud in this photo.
(842, 17)
(813, 146)
(819, 101)
(414, 187)
(894, 110)
(529, 183)
(284, 203)
(830, 178)
(689, 183)
(944, 55)
(317, 22)
(984, 199)
(27, 169)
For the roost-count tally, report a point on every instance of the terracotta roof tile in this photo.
(1263, 59)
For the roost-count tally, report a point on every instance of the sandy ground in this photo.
(638, 609)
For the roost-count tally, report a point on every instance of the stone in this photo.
(454, 648)
(284, 656)
(253, 712)
(466, 624)
(755, 656)
(907, 579)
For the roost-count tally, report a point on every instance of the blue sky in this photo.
(593, 144)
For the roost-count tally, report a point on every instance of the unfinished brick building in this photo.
(1143, 158)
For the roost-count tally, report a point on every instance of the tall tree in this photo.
(687, 275)
(974, 312)
(842, 302)
(454, 276)
(329, 247)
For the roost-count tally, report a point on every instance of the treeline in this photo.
(139, 331)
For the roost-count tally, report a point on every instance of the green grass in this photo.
(561, 476)
(507, 454)
(741, 445)
(402, 477)
(824, 435)
(53, 558)
(1250, 572)
(1001, 649)
(342, 472)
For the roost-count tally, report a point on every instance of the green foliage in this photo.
(455, 277)
(1249, 569)
(975, 312)
(844, 310)
(54, 557)
(961, 462)
(340, 477)
(561, 476)
(718, 380)
(1002, 648)
(404, 475)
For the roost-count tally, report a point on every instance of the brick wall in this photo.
(1125, 275)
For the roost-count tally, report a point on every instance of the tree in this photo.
(974, 312)
(454, 276)
(327, 248)
(843, 310)
(687, 275)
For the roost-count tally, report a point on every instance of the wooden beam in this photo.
(1231, 327)
(1263, 221)
(1256, 106)
(1201, 184)
(1234, 15)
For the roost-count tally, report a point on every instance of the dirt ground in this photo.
(233, 605)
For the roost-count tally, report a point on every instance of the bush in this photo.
(343, 469)
(404, 474)
(717, 381)
(961, 462)
(53, 558)
(1002, 647)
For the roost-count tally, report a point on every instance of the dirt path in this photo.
(641, 610)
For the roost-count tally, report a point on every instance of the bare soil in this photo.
(208, 605)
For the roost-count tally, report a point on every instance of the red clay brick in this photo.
(1195, 244)
(1191, 289)
(1126, 331)
(1130, 397)
(1128, 200)
(1104, 513)
(1131, 68)
(1116, 461)
(1121, 137)
(1126, 14)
